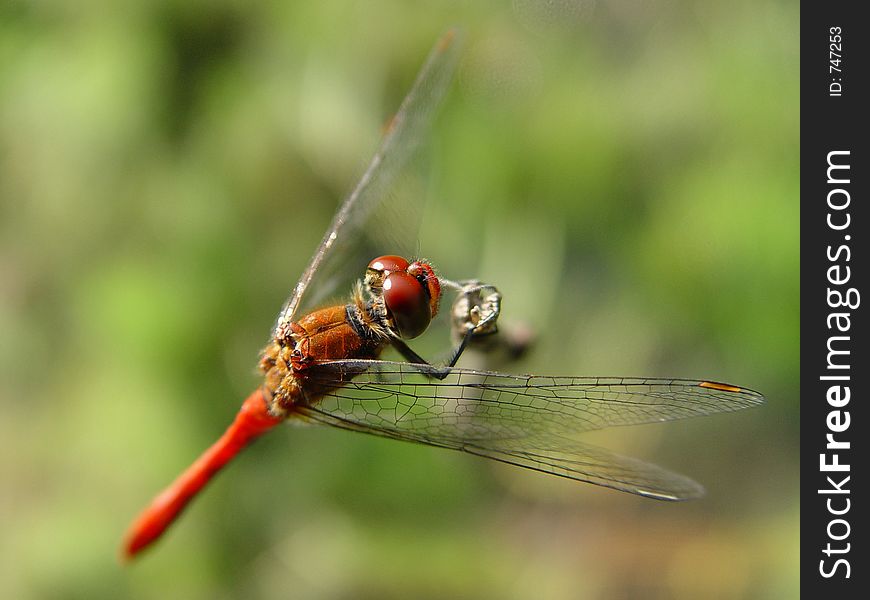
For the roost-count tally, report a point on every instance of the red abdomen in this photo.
(288, 362)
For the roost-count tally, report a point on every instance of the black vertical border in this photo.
(831, 123)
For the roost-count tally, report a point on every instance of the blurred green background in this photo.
(626, 171)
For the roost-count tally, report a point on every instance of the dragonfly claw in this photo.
(476, 309)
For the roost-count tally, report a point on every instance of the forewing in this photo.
(373, 220)
(522, 420)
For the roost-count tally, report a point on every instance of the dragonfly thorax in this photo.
(337, 332)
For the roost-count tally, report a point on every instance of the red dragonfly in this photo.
(323, 366)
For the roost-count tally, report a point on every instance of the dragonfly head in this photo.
(410, 293)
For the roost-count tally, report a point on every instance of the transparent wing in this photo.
(373, 220)
(553, 454)
(521, 419)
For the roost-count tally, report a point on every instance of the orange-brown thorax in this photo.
(322, 335)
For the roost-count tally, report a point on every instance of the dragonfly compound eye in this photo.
(429, 280)
(382, 266)
(407, 302)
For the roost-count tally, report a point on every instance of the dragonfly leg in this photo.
(412, 357)
(474, 314)
(428, 368)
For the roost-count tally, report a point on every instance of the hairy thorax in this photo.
(332, 333)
